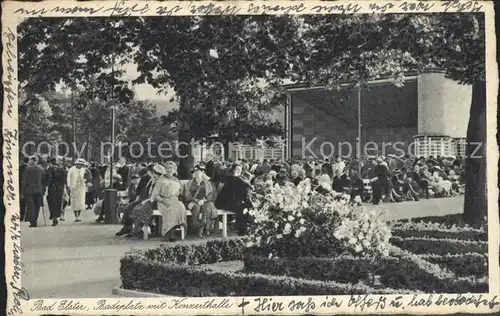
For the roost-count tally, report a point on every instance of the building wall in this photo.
(321, 119)
(444, 105)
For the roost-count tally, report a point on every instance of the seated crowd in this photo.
(228, 186)
(219, 185)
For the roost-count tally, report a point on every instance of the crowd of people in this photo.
(144, 188)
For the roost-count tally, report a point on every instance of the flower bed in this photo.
(437, 230)
(449, 221)
(408, 272)
(463, 235)
(154, 273)
(467, 264)
(207, 252)
(305, 241)
(420, 245)
(342, 269)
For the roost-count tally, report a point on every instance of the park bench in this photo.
(222, 226)
(157, 219)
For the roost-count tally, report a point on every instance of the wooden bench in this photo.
(157, 221)
(157, 218)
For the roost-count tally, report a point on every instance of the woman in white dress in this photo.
(440, 182)
(166, 194)
(78, 180)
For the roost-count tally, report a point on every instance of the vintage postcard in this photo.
(250, 157)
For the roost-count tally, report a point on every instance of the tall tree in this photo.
(216, 65)
(393, 44)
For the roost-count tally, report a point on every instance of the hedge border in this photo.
(405, 272)
(462, 265)
(173, 270)
(208, 252)
(446, 220)
(137, 272)
(440, 234)
(438, 246)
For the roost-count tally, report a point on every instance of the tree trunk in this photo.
(186, 160)
(475, 206)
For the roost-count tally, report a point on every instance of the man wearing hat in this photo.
(282, 177)
(235, 197)
(78, 179)
(33, 189)
(199, 199)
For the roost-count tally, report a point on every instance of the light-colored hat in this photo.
(247, 177)
(159, 169)
(324, 178)
(272, 173)
(80, 161)
(171, 163)
(200, 167)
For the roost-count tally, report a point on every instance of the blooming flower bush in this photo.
(365, 233)
(289, 221)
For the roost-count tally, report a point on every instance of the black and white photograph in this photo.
(261, 152)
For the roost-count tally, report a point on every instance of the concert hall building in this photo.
(428, 115)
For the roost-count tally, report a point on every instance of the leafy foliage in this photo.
(73, 51)
(391, 44)
(237, 64)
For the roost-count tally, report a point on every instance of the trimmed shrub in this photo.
(463, 265)
(419, 245)
(450, 220)
(139, 273)
(462, 235)
(342, 269)
(413, 272)
(406, 272)
(470, 285)
(211, 251)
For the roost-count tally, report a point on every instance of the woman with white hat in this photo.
(441, 184)
(78, 179)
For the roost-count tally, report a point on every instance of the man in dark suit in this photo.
(125, 172)
(22, 203)
(33, 189)
(210, 167)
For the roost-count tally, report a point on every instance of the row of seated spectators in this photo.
(372, 179)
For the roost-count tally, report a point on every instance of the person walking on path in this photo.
(22, 202)
(78, 179)
(33, 189)
(56, 182)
